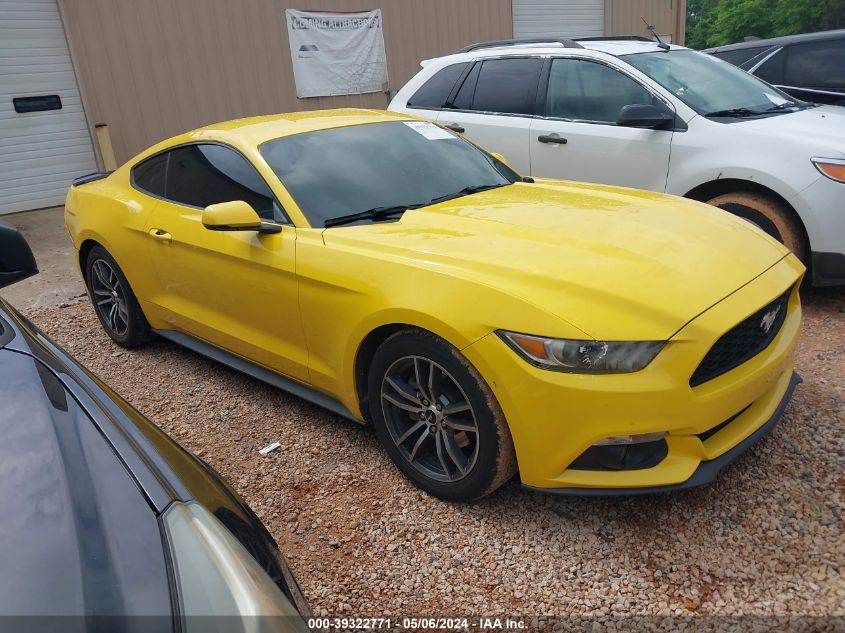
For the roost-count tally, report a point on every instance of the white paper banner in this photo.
(336, 53)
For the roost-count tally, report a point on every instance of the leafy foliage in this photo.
(718, 22)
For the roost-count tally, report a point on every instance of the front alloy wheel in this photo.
(429, 418)
(437, 418)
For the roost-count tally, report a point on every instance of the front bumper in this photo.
(554, 417)
(705, 473)
(820, 209)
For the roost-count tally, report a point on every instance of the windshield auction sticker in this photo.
(429, 130)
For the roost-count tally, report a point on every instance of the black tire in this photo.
(450, 461)
(114, 302)
(769, 214)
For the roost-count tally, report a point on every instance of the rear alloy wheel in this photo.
(438, 419)
(109, 297)
(116, 305)
(767, 214)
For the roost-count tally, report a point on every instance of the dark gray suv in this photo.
(810, 66)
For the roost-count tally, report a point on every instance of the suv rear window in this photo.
(739, 56)
(434, 92)
(816, 65)
(507, 85)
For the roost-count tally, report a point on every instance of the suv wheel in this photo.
(769, 215)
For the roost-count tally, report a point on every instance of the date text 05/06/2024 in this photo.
(447, 624)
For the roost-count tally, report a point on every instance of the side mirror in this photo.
(235, 216)
(16, 260)
(643, 116)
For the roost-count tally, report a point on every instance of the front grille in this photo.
(743, 341)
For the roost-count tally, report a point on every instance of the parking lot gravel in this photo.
(765, 540)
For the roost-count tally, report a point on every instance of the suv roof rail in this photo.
(566, 41)
(612, 38)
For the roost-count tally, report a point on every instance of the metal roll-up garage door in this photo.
(558, 18)
(44, 137)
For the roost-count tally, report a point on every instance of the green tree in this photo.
(717, 22)
(797, 17)
(737, 20)
(700, 16)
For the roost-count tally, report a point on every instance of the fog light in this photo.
(624, 452)
(631, 439)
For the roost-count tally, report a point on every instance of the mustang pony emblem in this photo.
(768, 320)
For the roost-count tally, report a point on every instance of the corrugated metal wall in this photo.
(624, 17)
(155, 68)
(562, 18)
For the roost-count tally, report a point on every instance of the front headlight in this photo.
(583, 357)
(833, 168)
(220, 586)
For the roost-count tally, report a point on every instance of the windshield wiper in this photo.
(466, 191)
(784, 107)
(382, 213)
(375, 214)
(734, 112)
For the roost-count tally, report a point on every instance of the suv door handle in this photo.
(456, 128)
(552, 138)
(161, 235)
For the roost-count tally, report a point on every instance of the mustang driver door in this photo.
(234, 289)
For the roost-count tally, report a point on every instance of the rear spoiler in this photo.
(97, 175)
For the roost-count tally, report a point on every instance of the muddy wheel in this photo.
(438, 419)
(768, 214)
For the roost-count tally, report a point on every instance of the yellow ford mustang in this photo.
(598, 340)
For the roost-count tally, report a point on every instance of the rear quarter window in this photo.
(150, 175)
(434, 92)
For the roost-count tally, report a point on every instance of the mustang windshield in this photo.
(711, 86)
(366, 169)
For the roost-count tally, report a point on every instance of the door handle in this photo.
(552, 138)
(160, 235)
(456, 128)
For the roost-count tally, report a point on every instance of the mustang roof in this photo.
(259, 129)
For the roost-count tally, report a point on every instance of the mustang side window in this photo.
(204, 174)
(588, 91)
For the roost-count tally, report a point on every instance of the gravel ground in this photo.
(765, 540)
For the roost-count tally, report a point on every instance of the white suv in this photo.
(632, 112)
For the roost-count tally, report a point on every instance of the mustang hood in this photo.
(616, 263)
